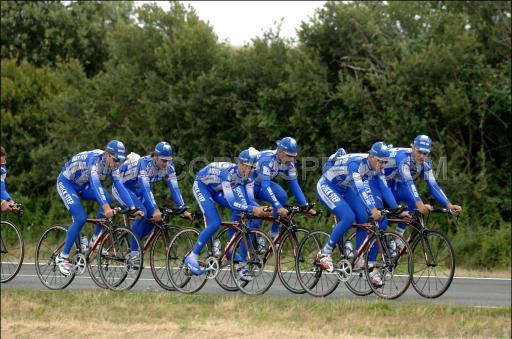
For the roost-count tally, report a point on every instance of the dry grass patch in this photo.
(158, 315)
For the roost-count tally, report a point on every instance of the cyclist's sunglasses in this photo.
(425, 153)
(114, 158)
(249, 165)
(382, 161)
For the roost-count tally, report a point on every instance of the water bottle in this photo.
(349, 250)
(216, 248)
(84, 243)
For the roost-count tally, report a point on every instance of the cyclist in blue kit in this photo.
(229, 185)
(81, 178)
(270, 165)
(407, 164)
(352, 188)
(138, 175)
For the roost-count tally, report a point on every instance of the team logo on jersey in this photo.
(197, 192)
(63, 192)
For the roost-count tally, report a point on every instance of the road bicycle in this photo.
(251, 248)
(354, 270)
(158, 243)
(286, 242)
(107, 260)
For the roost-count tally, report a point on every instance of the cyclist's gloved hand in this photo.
(188, 215)
(109, 212)
(423, 208)
(376, 215)
(455, 209)
(311, 212)
(157, 215)
(406, 215)
(260, 212)
(136, 212)
(283, 212)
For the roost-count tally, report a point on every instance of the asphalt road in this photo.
(464, 291)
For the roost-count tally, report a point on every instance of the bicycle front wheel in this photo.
(12, 250)
(286, 254)
(158, 257)
(312, 277)
(179, 274)
(118, 269)
(395, 272)
(48, 248)
(255, 269)
(434, 264)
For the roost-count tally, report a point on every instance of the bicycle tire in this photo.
(9, 268)
(287, 268)
(158, 257)
(47, 250)
(419, 262)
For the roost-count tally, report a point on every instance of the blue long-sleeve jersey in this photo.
(3, 189)
(225, 177)
(89, 167)
(268, 168)
(402, 169)
(354, 171)
(141, 173)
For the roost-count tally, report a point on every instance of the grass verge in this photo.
(103, 314)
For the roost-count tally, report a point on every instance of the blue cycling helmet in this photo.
(288, 145)
(340, 152)
(117, 149)
(379, 149)
(422, 143)
(163, 150)
(249, 155)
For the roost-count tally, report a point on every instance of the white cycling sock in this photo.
(327, 249)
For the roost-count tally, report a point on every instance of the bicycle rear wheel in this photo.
(434, 264)
(312, 277)
(225, 278)
(117, 269)
(158, 257)
(12, 250)
(286, 254)
(180, 276)
(357, 283)
(261, 265)
(48, 248)
(395, 272)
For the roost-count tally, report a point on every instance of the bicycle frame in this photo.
(373, 229)
(419, 229)
(106, 228)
